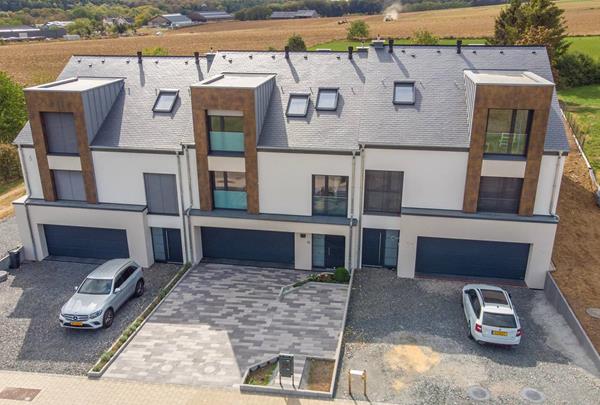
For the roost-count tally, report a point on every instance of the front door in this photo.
(328, 251)
(380, 247)
(166, 243)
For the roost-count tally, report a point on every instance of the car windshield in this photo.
(499, 320)
(95, 286)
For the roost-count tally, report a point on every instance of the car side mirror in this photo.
(117, 290)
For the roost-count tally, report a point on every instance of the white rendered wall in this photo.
(29, 162)
(58, 162)
(503, 168)
(545, 185)
(432, 179)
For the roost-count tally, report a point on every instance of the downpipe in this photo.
(350, 238)
(182, 204)
(360, 201)
(189, 209)
(26, 202)
(554, 196)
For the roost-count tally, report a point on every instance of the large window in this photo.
(507, 131)
(499, 194)
(161, 193)
(69, 185)
(229, 190)
(383, 192)
(59, 129)
(330, 195)
(226, 134)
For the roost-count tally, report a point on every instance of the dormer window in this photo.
(297, 105)
(165, 101)
(404, 92)
(327, 99)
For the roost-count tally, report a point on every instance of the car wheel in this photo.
(140, 288)
(109, 317)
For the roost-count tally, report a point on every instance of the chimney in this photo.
(197, 57)
(287, 52)
(458, 45)
(139, 55)
(350, 49)
(391, 45)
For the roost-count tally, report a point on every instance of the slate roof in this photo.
(365, 113)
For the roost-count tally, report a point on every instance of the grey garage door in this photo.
(76, 241)
(472, 258)
(248, 245)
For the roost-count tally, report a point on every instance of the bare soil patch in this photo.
(320, 374)
(262, 375)
(6, 199)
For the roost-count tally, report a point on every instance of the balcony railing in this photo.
(328, 205)
(227, 141)
(234, 200)
(505, 143)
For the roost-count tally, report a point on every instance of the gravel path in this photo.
(30, 301)
(9, 235)
(411, 337)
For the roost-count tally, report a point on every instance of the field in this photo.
(35, 63)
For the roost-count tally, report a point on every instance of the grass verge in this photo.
(262, 375)
(132, 328)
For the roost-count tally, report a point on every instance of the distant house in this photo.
(57, 24)
(170, 20)
(285, 15)
(208, 16)
(26, 32)
(117, 21)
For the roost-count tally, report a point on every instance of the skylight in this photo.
(327, 99)
(297, 105)
(165, 101)
(404, 93)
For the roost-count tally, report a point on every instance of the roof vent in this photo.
(350, 50)
(287, 52)
(458, 45)
(139, 56)
(362, 49)
(197, 57)
(378, 43)
(391, 45)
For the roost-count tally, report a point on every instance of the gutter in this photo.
(26, 202)
(185, 235)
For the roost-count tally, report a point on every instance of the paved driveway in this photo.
(410, 336)
(30, 301)
(221, 319)
(9, 235)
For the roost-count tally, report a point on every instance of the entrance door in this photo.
(380, 247)
(166, 244)
(328, 251)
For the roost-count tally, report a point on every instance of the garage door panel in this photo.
(472, 258)
(248, 245)
(84, 242)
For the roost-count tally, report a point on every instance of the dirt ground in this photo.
(577, 244)
(6, 208)
(319, 376)
(39, 62)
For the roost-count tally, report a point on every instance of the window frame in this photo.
(327, 176)
(530, 114)
(368, 211)
(210, 128)
(327, 89)
(176, 194)
(300, 115)
(165, 110)
(56, 187)
(412, 83)
(517, 199)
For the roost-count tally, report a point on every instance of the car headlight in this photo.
(95, 314)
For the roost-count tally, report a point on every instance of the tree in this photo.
(81, 26)
(296, 43)
(13, 114)
(358, 30)
(424, 37)
(144, 14)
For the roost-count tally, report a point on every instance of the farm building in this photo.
(127, 21)
(170, 20)
(285, 15)
(207, 16)
(26, 32)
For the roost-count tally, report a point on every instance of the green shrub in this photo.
(296, 43)
(10, 168)
(577, 69)
(13, 113)
(357, 31)
(341, 275)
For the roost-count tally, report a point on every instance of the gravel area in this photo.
(9, 235)
(30, 302)
(411, 337)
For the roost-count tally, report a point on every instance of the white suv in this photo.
(491, 317)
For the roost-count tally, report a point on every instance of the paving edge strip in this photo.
(97, 374)
(261, 389)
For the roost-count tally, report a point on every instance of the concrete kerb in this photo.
(97, 374)
(558, 300)
(260, 389)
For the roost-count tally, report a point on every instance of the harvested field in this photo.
(35, 63)
(6, 199)
(576, 248)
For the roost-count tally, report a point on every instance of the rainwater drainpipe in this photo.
(185, 236)
(554, 196)
(187, 212)
(350, 265)
(360, 200)
(25, 203)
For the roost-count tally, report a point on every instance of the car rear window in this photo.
(499, 320)
(95, 286)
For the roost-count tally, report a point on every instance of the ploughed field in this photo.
(34, 63)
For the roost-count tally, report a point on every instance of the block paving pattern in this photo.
(221, 319)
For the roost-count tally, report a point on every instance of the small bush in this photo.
(577, 69)
(424, 37)
(296, 43)
(10, 168)
(357, 31)
(157, 51)
(341, 275)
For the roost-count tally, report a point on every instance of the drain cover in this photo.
(593, 312)
(3, 275)
(478, 393)
(18, 394)
(532, 395)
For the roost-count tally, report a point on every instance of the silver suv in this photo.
(101, 294)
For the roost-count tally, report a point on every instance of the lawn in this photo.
(584, 103)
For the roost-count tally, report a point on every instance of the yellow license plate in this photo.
(499, 333)
(76, 323)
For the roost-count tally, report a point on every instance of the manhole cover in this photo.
(532, 395)
(478, 393)
(18, 394)
(593, 312)
(3, 275)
